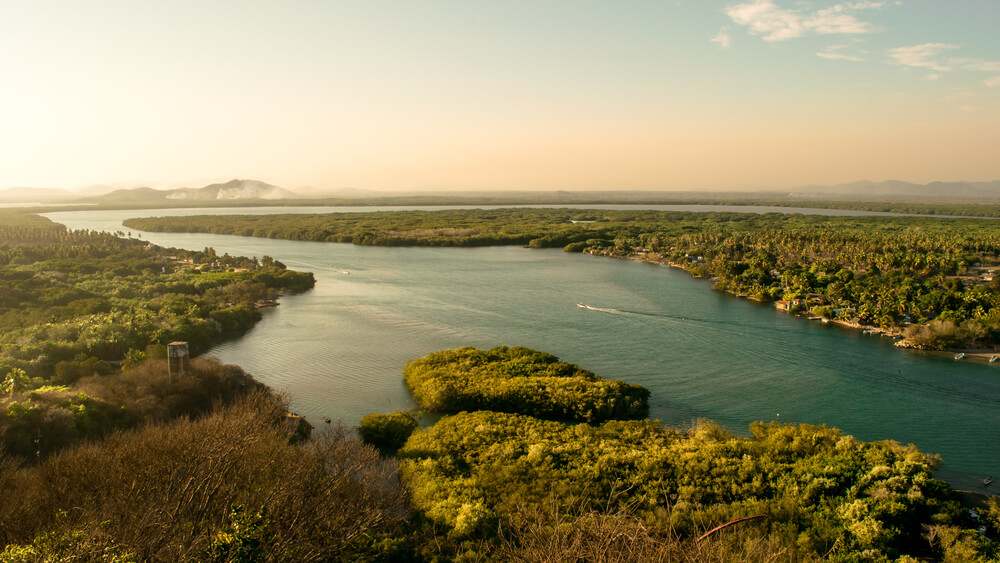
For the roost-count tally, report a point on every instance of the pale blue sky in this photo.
(504, 94)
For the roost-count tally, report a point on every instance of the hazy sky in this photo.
(470, 94)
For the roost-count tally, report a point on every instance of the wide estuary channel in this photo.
(338, 349)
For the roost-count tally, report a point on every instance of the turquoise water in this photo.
(338, 349)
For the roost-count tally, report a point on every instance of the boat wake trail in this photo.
(601, 309)
(661, 319)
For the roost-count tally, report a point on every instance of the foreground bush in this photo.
(519, 380)
(38, 422)
(227, 486)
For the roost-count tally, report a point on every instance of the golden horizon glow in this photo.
(475, 95)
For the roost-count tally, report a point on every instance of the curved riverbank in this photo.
(973, 354)
(701, 353)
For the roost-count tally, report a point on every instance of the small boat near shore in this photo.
(988, 481)
(960, 355)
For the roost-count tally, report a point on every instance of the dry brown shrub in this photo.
(167, 492)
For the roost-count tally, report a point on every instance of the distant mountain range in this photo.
(254, 190)
(233, 190)
(905, 190)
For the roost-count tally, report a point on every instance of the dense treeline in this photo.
(911, 207)
(519, 380)
(882, 271)
(469, 227)
(72, 299)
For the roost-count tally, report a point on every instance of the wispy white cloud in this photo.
(837, 19)
(723, 38)
(839, 57)
(992, 82)
(979, 65)
(764, 17)
(834, 53)
(774, 23)
(932, 56)
(925, 55)
(934, 76)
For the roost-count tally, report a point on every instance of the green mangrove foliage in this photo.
(882, 271)
(388, 430)
(823, 492)
(74, 298)
(519, 380)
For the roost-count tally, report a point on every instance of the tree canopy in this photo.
(519, 380)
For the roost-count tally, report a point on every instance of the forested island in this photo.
(935, 281)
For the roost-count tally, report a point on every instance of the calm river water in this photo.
(339, 349)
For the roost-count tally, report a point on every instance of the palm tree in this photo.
(15, 381)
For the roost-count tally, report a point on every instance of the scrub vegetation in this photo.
(228, 486)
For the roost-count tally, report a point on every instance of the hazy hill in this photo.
(232, 190)
(900, 189)
(132, 195)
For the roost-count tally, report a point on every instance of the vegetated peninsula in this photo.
(519, 380)
(517, 486)
(935, 281)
